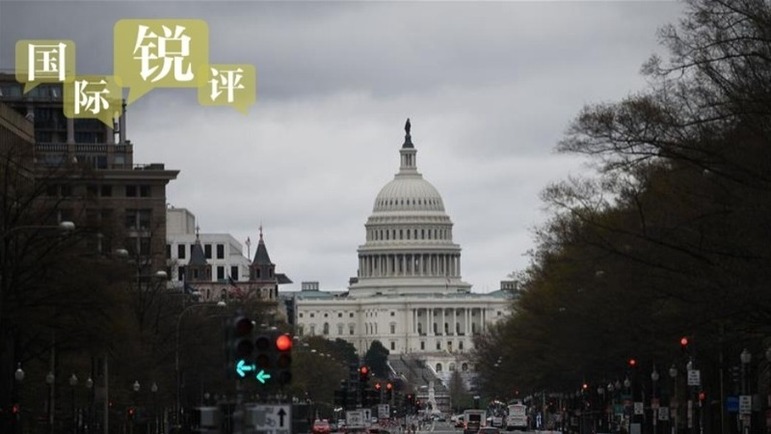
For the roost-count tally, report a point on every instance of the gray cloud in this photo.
(490, 88)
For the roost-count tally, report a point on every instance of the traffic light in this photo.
(389, 393)
(273, 361)
(684, 344)
(702, 396)
(363, 374)
(378, 386)
(283, 345)
(632, 362)
(130, 412)
(240, 346)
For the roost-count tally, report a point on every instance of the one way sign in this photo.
(269, 419)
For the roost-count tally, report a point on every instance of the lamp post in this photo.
(50, 381)
(654, 399)
(89, 414)
(673, 403)
(73, 382)
(177, 409)
(746, 358)
(19, 376)
(154, 390)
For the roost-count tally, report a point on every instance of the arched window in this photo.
(340, 329)
(451, 367)
(326, 328)
(438, 367)
(464, 367)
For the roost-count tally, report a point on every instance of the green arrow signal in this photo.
(262, 376)
(242, 368)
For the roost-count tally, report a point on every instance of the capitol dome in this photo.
(408, 193)
(408, 248)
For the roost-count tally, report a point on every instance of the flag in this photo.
(236, 289)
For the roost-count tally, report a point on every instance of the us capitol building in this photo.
(408, 293)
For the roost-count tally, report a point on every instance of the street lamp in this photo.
(673, 404)
(50, 381)
(73, 382)
(654, 409)
(154, 390)
(177, 410)
(746, 358)
(19, 376)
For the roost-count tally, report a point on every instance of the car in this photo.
(321, 426)
(488, 430)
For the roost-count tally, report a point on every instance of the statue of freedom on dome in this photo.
(407, 127)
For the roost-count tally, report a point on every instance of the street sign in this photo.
(270, 419)
(639, 407)
(383, 412)
(745, 404)
(354, 419)
(694, 377)
(663, 413)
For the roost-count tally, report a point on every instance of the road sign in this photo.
(383, 412)
(270, 419)
(745, 404)
(354, 419)
(694, 377)
(639, 407)
(663, 413)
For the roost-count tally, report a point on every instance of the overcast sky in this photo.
(490, 88)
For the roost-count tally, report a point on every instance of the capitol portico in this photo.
(408, 292)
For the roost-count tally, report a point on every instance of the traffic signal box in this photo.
(262, 356)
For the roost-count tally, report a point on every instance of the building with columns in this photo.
(408, 292)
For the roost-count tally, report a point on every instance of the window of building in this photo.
(234, 272)
(131, 191)
(220, 272)
(340, 315)
(438, 367)
(393, 328)
(181, 251)
(393, 345)
(460, 345)
(207, 251)
(144, 191)
(422, 345)
(351, 329)
(220, 251)
(326, 328)
(181, 275)
(313, 330)
(393, 313)
(313, 315)
(300, 331)
(464, 367)
(438, 345)
(340, 329)
(300, 314)
(451, 368)
(350, 315)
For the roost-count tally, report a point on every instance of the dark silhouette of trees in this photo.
(670, 236)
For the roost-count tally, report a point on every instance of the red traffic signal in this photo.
(284, 343)
(702, 396)
(389, 386)
(684, 341)
(363, 374)
(377, 386)
(632, 363)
